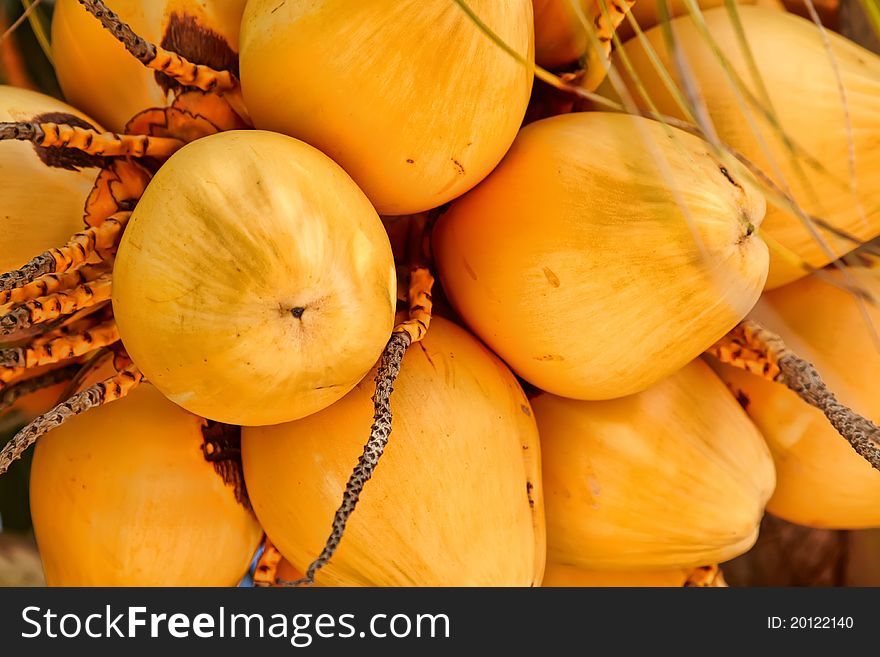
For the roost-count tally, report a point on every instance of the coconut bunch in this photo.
(224, 322)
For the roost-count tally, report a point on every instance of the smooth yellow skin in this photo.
(234, 232)
(559, 575)
(647, 14)
(802, 85)
(40, 206)
(287, 573)
(822, 482)
(448, 504)
(574, 262)
(123, 496)
(409, 96)
(97, 73)
(674, 477)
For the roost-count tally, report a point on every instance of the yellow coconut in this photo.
(674, 477)
(456, 499)
(822, 482)
(123, 496)
(801, 81)
(254, 283)
(576, 34)
(560, 35)
(42, 191)
(98, 74)
(409, 96)
(603, 254)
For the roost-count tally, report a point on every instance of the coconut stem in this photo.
(21, 131)
(46, 352)
(42, 264)
(101, 239)
(389, 368)
(50, 284)
(15, 320)
(420, 305)
(87, 140)
(140, 48)
(104, 392)
(757, 350)
(18, 390)
(221, 446)
(57, 304)
(178, 68)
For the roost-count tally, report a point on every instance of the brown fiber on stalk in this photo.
(171, 64)
(186, 36)
(389, 368)
(757, 350)
(21, 131)
(222, 448)
(70, 159)
(95, 395)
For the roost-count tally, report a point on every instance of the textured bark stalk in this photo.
(757, 350)
(78, 324)
(22, 131)
(53, 306)
(16, 391)
(193, 75)
(380, 431)
(50, 284)
(92, 142)
(102, 239)
(420, 305)
(62, 347)
(221, 446)
(40, 266)
(95, 395)
(171, 64)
